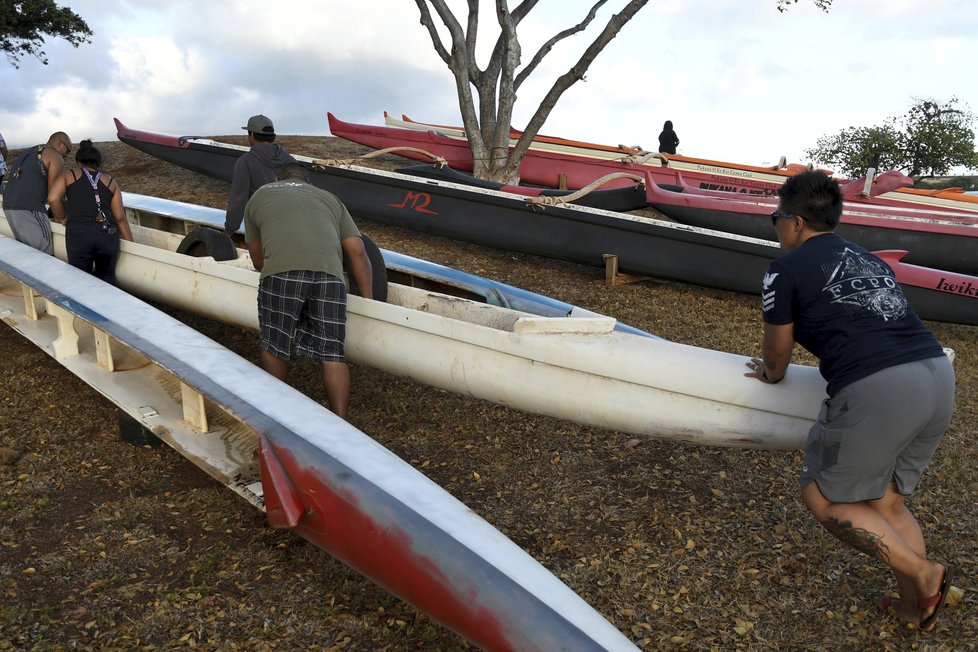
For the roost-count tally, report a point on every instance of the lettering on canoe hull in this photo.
(416, 201)
(766, 192)
(968, 289)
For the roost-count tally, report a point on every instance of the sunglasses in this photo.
(777, 215)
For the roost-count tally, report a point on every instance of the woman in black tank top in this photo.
(89, 204)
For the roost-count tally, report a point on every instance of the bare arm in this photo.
(779, 341)
(56, 193)
(363, 273)
(55, 165)
(257, 254)
(118, 212)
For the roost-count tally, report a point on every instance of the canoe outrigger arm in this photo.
(327, 162)
(645, 157)
(554, 200)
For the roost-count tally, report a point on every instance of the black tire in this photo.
(205, 241)
(133, 432)
(379, 271)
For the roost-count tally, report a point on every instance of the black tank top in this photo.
(80, 199)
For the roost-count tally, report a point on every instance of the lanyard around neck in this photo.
(94, 181)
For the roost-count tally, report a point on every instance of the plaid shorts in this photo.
(305, 309)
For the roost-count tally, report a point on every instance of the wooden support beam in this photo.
(67, 343)
(29, 306)
(103, 350)
(611, 275)
(194, 412)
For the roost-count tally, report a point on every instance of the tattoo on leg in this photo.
(862, 540)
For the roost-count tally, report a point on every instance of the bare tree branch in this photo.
(821, 4)
(429, 24)
(507, 90)
(460, 62)
(548, 46)
(571, 77)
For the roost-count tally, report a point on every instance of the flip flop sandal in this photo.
(936, 601)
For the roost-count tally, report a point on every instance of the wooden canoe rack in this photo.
(613, 277)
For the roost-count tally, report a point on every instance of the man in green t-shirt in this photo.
(297, 235)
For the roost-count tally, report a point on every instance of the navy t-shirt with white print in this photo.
(847, 309)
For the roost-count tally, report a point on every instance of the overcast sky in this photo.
(740, 81)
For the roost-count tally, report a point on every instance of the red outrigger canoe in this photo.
(705, 174)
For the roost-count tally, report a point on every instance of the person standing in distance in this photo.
(32, 176)
(890, 389)
(668, 140)
(254, 169)
(297, 235)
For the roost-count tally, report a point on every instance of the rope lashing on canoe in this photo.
(646, 157)
(551, 200)
(325, 162)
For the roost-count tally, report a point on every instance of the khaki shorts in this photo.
(880, 429)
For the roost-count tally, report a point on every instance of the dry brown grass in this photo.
(107, 546)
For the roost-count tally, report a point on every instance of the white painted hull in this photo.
(289, 455)
(573, 369)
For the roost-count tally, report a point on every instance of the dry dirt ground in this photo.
(104, 545)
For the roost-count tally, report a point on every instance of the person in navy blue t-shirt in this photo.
(890, 389)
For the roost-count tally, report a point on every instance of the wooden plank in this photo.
(67, 343)
(29, 306)
(611, 275)
(103, 350)
(194, 410)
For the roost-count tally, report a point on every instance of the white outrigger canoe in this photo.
(312, 472)
(578, 369)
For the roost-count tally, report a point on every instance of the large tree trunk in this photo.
(488, 129)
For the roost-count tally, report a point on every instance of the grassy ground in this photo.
(108, 546)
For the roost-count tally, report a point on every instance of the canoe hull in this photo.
(643, 245)
(928, 248)
(580, 370)
(314, 473)
(556, 166)
(181, 217)
(709, 175)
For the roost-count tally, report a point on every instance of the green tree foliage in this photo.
(939, 137)
(23, 26)
(930, 139)
(856, 149)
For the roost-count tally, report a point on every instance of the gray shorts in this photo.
(880, 429)
(31, 227)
